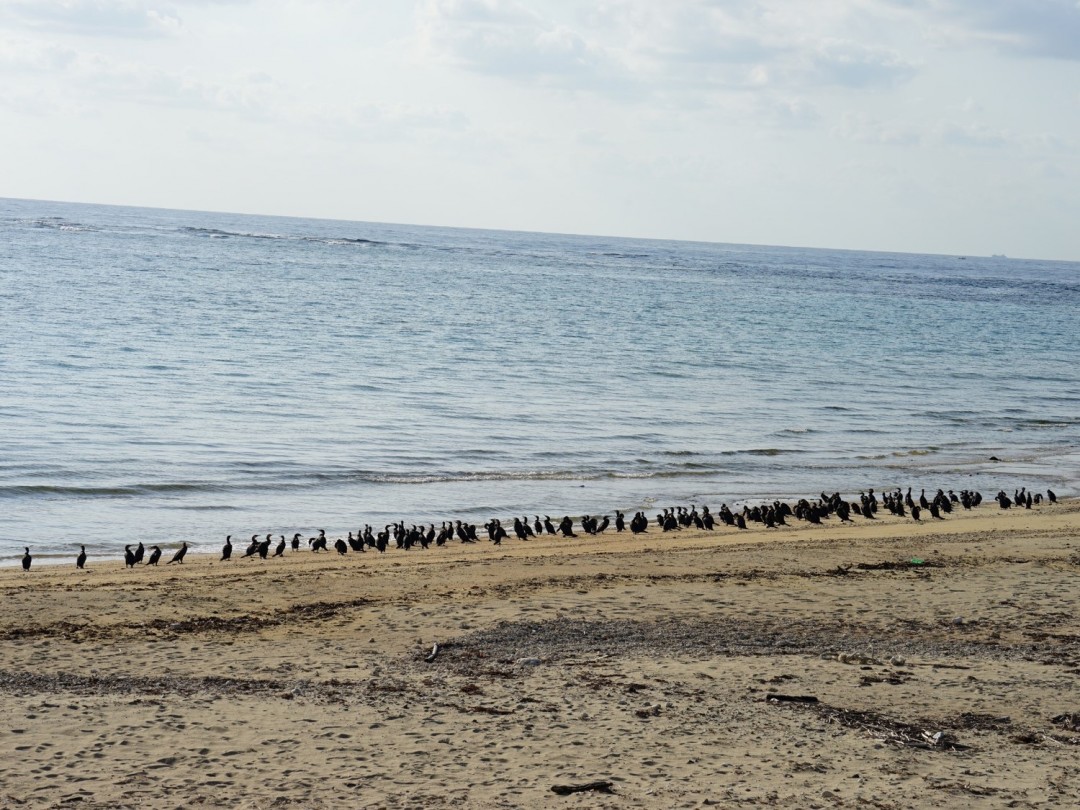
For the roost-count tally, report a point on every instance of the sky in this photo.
(939, 126)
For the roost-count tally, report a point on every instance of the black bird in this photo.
(80, 561)
(340, 546)
(280, 549)
(296, 542)
(462, 534)
(519, 529)
(155, 555)
(226, 550)
(1051, 496)
(708, 522)
(27, 559)
(264, 546)
(178, 557)
(253, 546)
(139, 552)
(129, 557)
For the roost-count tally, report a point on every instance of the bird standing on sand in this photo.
(80, 561)
(27, 559)
(280, 550)
(129, 557)
(178, 557)
(139, 552)
(155, 555)
(226, 550)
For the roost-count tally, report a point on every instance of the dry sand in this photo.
(644, 661)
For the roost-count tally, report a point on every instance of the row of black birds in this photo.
(898, 503)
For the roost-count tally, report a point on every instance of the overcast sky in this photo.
(946, 126)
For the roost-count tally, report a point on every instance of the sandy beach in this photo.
(935, 665)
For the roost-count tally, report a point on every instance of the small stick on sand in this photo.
(600, 786)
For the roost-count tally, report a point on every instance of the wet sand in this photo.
(647, 662)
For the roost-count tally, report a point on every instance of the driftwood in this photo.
(434, 653)
(791, 698)
(600, 786)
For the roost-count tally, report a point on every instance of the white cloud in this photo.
(853, 65)
(864, 129)
(32, 56)
(1032, 28)
(661, 49)
(379, 122)
(505, 38)
(977, 135)
(122, 18)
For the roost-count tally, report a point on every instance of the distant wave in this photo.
(767, 451)
(57, 224)
(315, 479)
(217, 233)
(46, 490)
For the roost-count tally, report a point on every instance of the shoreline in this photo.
(942, 658)
(44, 559)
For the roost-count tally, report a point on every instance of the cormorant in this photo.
(80, 561)
(155, 555)
(27, 559)
(178, 557)
(226, 550)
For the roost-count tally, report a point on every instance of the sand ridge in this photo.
(646, 661)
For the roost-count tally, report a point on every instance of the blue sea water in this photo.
(171, 375)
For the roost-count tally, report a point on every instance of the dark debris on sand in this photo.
(702, 638)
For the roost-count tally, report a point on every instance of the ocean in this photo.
(176, 375)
